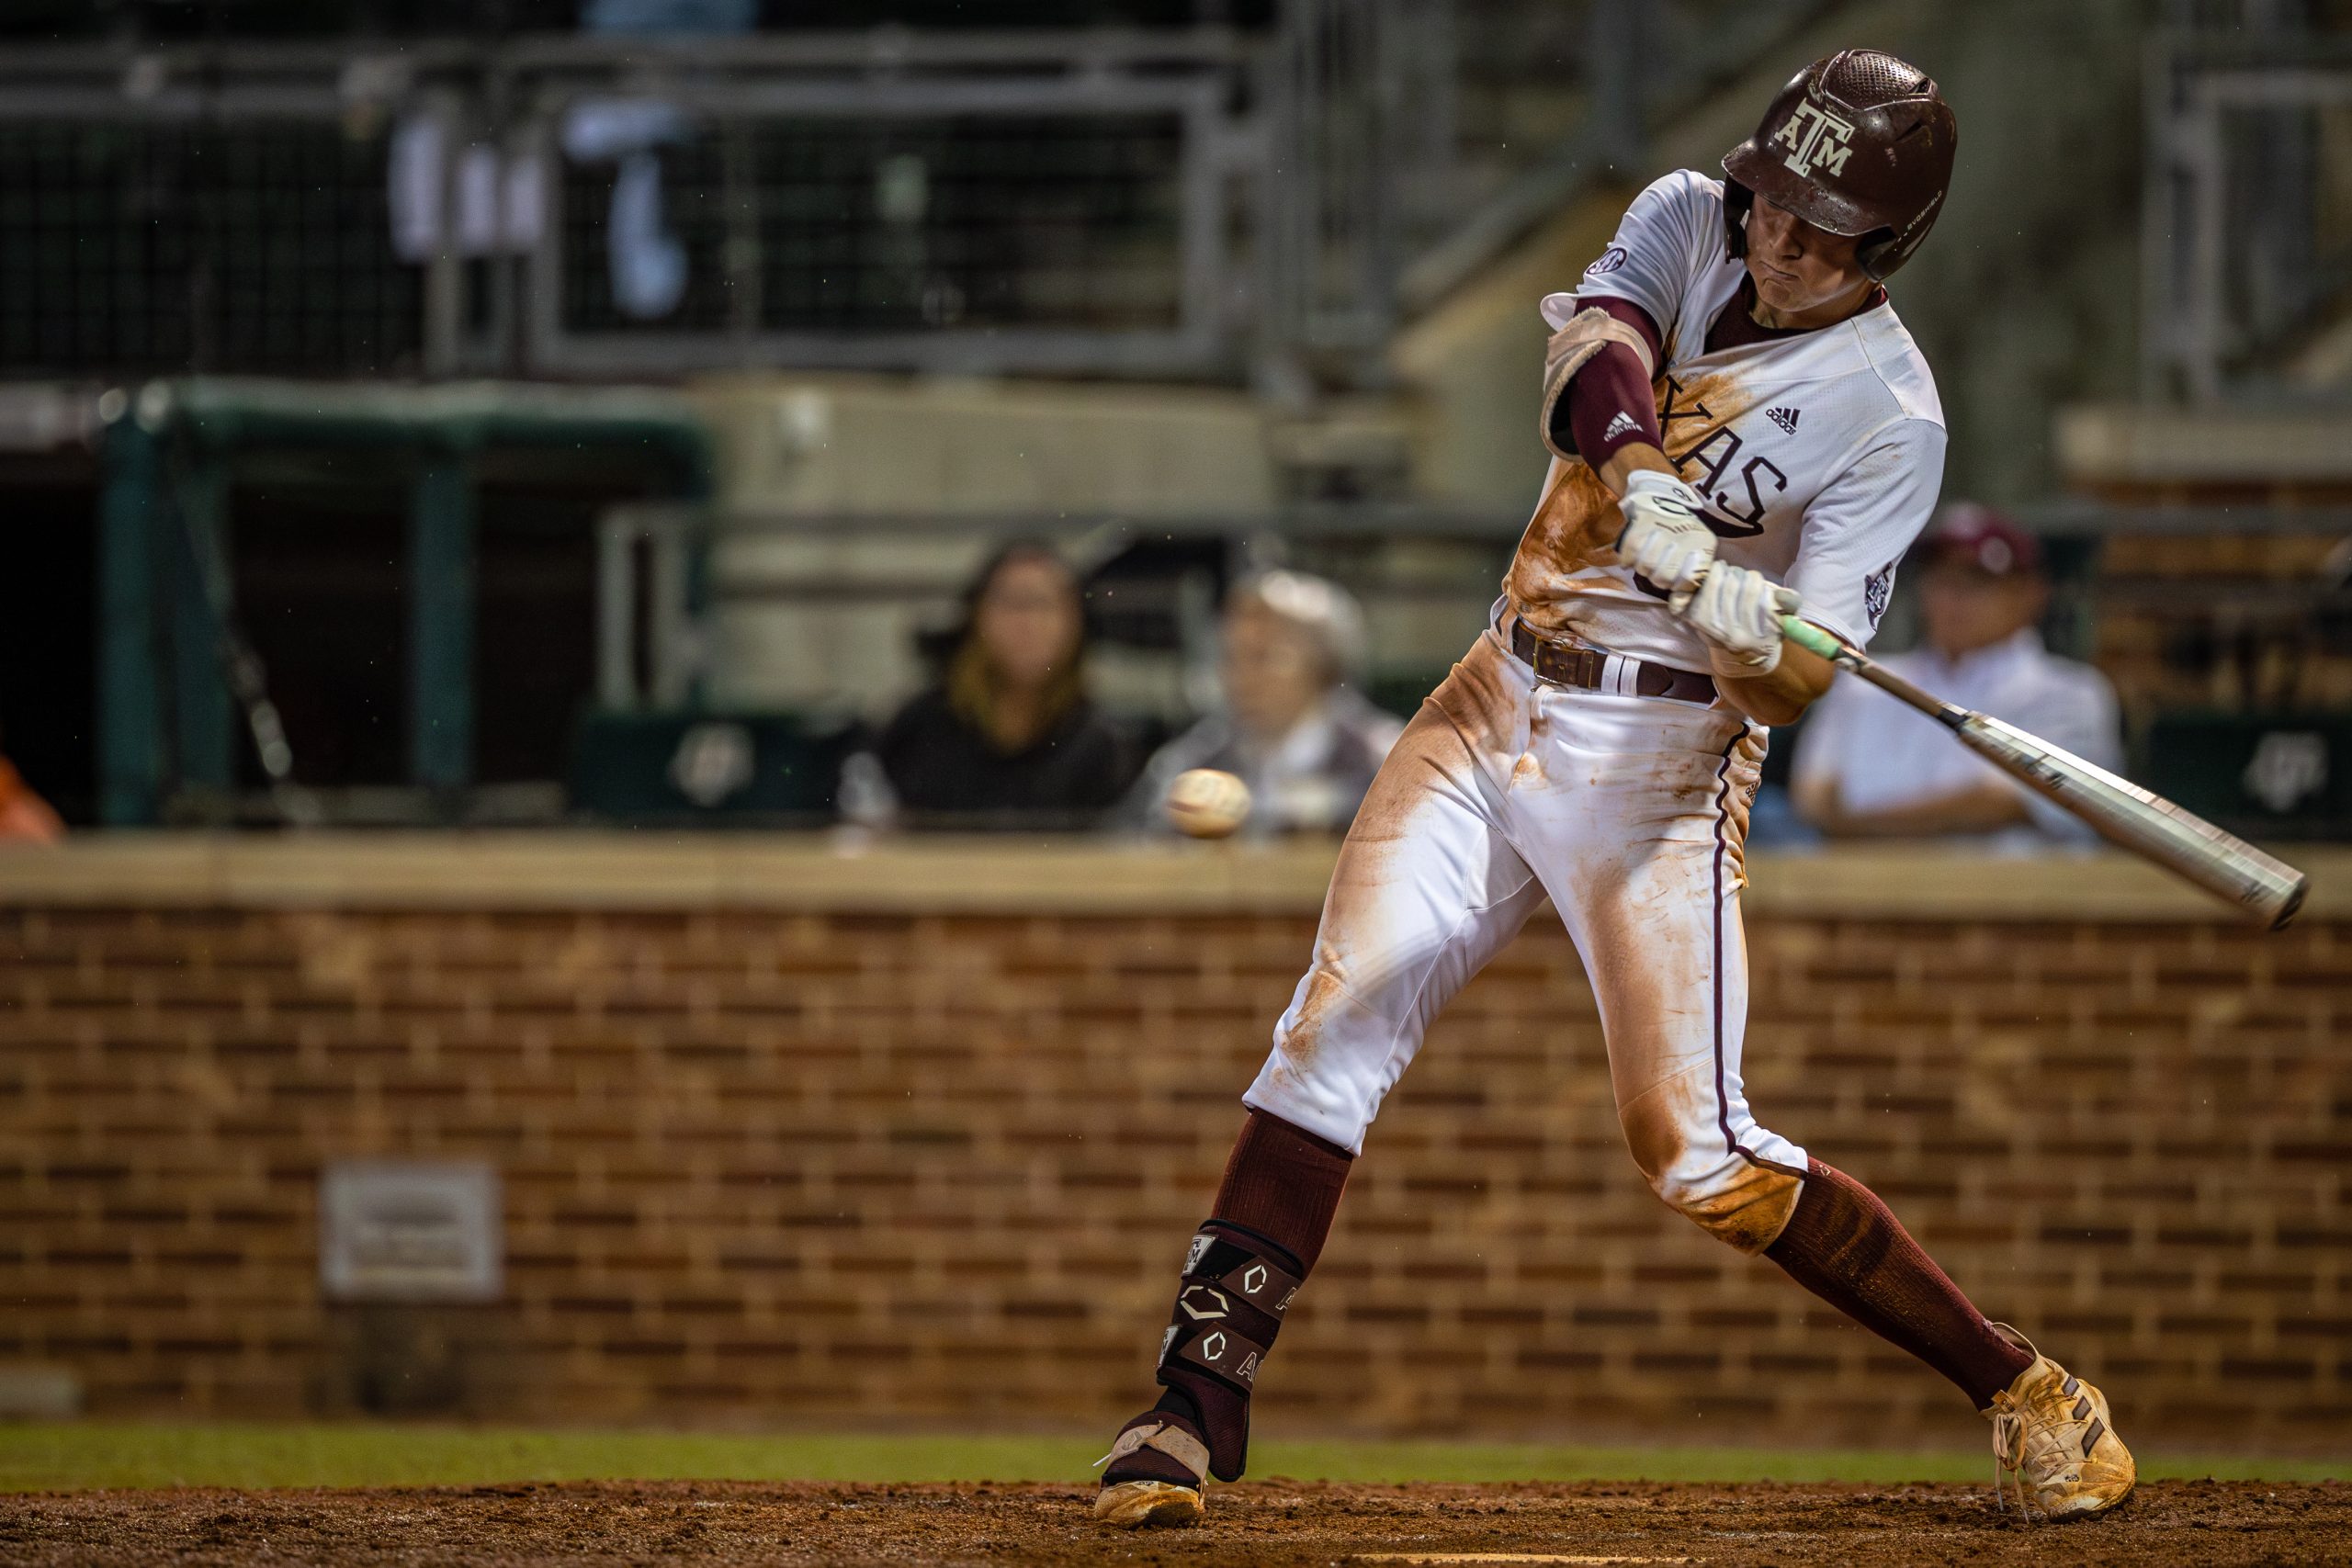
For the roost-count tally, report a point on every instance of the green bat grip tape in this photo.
(1810, 637)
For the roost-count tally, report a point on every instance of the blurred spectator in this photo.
(1304, 741)
(1869, 767)
(25, 818)
(1009, 738)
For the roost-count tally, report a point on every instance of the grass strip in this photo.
(78, 1456)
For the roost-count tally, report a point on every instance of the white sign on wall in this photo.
(411, 1231)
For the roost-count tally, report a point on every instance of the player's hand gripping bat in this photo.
(2148, 825)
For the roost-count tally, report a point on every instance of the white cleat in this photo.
(2053, 1439)
(1140, 1505)
(1152, 1442)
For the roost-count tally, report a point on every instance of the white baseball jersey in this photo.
(1820, 453)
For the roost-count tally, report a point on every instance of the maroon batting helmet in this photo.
(1861, 145)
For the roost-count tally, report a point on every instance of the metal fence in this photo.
(1193, 201)
(570, 206)
(157, 239)
(1010, 225)
(2247, 244)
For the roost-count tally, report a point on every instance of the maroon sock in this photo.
(1846, 1247)
(1285, 1184)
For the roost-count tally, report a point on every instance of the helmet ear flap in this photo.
(1873, 252)
(1737, 200)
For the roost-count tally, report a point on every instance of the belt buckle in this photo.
(1566, 656)
(1569, 662)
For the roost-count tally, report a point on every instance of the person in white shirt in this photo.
(1869, 767)
(1306, 743)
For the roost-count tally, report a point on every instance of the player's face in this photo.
(1028, 620)
(1801, 272)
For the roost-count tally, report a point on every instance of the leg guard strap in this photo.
(1222, 1353)
(1166, 1436)
(1237, 1288)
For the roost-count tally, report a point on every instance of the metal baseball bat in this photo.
(2228, 867)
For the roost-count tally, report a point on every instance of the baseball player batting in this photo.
(1741, 430)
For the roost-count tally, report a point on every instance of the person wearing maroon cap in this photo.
(1869, 767)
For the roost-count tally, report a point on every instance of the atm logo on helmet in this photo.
(1814, 137)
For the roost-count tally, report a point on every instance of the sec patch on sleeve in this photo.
(1878, 590)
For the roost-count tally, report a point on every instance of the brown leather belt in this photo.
(1569, 664)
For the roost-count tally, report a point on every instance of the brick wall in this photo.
(834, 1169)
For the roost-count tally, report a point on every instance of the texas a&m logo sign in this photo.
(1814, 137)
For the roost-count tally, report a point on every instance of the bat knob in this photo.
(2293, 902)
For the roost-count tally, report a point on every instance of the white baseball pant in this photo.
(1630, 813)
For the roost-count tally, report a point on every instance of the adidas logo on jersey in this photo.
(1624, 424)
(1785, 418)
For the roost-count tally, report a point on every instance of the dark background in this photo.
(62, 19)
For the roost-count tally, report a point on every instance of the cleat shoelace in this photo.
(2021, 1462)
(2008, 1460)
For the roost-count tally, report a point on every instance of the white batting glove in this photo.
(1739, 612)
(1666, 538)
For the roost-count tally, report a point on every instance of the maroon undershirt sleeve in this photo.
(1611, 385)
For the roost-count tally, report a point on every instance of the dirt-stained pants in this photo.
(1629, 812)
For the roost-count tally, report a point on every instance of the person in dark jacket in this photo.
(1008, 739)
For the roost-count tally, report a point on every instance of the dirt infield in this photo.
(1271, 1522)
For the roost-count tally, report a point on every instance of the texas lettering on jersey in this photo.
(1819, 455)
(1704, 465)
(1714, 457)
(1719, 462)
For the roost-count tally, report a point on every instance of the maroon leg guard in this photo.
(1273, 1212)
(1848, 1247)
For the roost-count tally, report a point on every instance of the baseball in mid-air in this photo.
(1207, 803)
